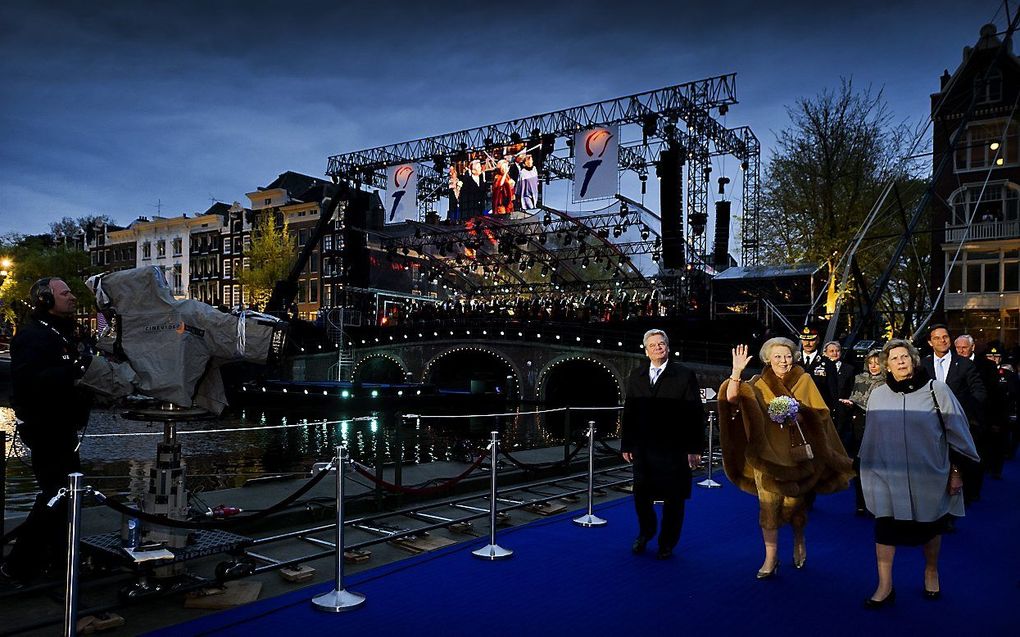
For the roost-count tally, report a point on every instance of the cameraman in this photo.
(48, 354)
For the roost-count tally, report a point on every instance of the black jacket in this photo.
(823, 371)
(964, 380)
(661, 425)
(46, 357)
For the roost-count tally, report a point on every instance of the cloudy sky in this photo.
(119, 107)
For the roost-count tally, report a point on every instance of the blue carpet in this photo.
(564, 578)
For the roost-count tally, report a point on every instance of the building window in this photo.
(146, 250)
(313, 262)
(302, 237)
(267, 201)
(178, 282)
(327, 242)
(998, 202)
(327, 295)
(988, 90)
(302, 295)
(227, 270)
(237, 295)
(177, 246)
(313, 291)
(228, 299)
(988, 143)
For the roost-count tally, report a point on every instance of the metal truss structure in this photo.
(547, 251)
(673, 117)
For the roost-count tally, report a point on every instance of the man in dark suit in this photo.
(473, 192)
(842, 415)
(663, 435)
(962, 377)
(821, 369)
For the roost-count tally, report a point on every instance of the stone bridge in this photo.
(552, 368)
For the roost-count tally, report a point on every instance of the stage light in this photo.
(624, 209)
(994, 146)
(655, 256)
(567, 239)
(584, 264)
(645, 233)
(617, 231)
(547, 219)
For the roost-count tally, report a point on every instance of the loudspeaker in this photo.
(721, 253)
(42, 295)
(671, 195)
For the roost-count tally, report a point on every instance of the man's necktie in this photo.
(941, 369)
(655, 375)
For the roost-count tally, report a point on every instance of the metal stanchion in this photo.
(339, 600)
(76, 493)
(590, 519)
(708, 482)
(493, 551)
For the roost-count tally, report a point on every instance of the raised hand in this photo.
(740, 359)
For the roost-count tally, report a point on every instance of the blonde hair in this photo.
(779, 341)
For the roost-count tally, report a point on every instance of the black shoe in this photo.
(875, 604)
(932, 595)
(664, 553)
(640, 543)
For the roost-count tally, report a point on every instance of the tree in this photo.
(67, 228)
(271, 254)
(829, 169)
(33, 258)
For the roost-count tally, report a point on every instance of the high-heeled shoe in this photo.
(799, 557)
(875, 604)
(768, 574)
(932, 595)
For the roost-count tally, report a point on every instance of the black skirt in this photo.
(893, 532)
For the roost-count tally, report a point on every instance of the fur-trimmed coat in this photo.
(751, 440)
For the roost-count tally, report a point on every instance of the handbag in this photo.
(945, 434)
(800, 448)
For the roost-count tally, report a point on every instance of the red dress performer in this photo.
(502, 189)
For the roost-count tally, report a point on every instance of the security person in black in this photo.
(48, 355)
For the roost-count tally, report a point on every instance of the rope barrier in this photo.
(499, 415)
(396, 488)
(527, 466)
(162, 520)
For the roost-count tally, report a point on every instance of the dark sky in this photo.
(110, 107)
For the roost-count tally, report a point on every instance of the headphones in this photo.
(42, 295)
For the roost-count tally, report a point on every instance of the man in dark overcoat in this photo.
(663, 436)
(963, 378)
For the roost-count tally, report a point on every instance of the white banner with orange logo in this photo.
(596, 163)
(401, 193)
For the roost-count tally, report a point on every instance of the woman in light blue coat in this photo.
(916, 430)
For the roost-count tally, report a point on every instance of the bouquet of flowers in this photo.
(782, 409)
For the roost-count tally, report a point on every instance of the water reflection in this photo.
(119, 465)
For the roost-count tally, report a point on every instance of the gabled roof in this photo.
(294, 183)
(987, 46)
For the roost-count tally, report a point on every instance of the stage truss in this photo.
(553, 250)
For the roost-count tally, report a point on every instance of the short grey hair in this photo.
(915, 356)
(966, 337)
(826, 346)
(651, 333)
(779, 341)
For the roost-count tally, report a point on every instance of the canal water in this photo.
(276, 442)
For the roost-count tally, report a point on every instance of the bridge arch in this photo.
(380, 367)
(472, 368)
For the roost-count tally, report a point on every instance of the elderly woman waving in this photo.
(915, 434)
(779, 443)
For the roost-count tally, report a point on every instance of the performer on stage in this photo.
(473, 191)
(758, 455)
(502, 189)
(527, 183)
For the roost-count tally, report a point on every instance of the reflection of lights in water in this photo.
(374, 425)
(345, 394)
(375, 393)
